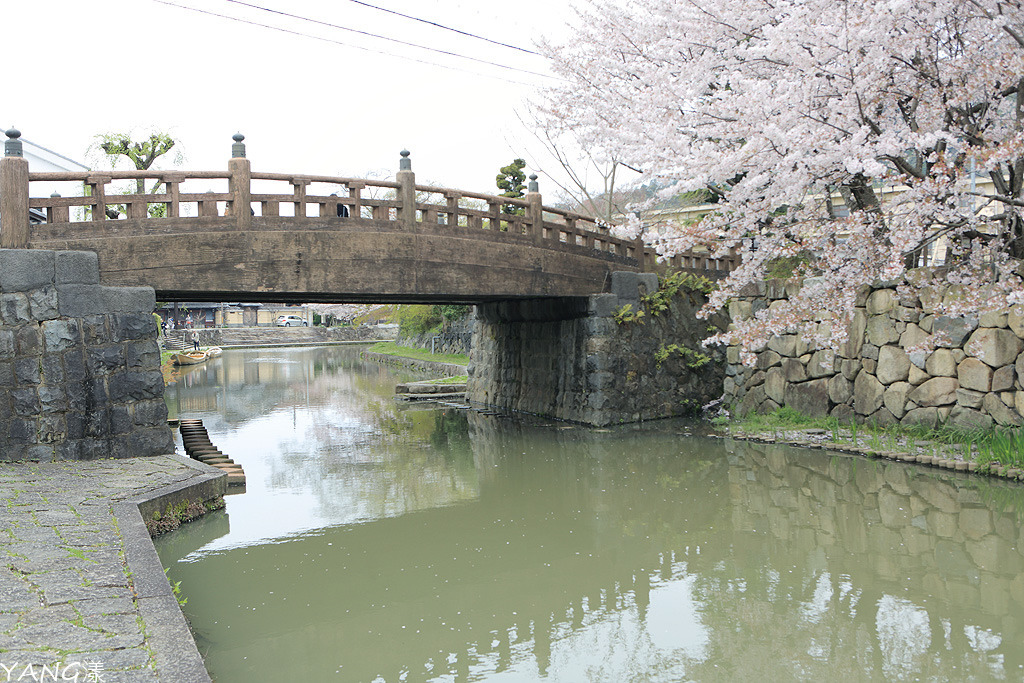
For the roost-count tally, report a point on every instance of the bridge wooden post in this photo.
(240, 184)
(640, 251)
(406, 192)
(13, 194)
(535, 212)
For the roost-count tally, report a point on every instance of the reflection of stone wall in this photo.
(973, 378)
(569, 359)
(943, 533)
(79, 365)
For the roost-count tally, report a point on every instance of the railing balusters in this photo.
(173, 181)
(137, 208)
(355, 195)
(571, 229)
(453, 208)
(494, 215)
(299, 184)
(56, 212)
(97, 185)
(208, 206)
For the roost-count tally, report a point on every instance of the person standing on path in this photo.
(194, 336)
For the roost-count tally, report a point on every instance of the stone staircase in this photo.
(174, 340)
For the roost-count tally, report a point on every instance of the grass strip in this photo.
(457, 379)
(393, 349)
(1002, 446)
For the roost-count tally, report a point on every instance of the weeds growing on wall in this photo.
(694, 359)
(658, 301)
(626, 315)
(176, 515)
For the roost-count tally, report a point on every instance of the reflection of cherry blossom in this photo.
(783, 108)
(904, 635)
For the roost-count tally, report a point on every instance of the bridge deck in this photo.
(326, 239)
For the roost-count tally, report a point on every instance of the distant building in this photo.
(42, 159)
(654, 221)
(210, 314)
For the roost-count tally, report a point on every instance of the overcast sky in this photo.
(75, 69)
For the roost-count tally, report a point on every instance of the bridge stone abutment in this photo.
(79, 364)
(570, 359)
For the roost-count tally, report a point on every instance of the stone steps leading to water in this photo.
(198, 446)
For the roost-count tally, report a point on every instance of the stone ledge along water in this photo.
(81, 588)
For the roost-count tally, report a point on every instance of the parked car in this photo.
(290, 321)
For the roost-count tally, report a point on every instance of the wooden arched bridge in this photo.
(323, 238)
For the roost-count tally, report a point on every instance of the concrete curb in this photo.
(167, 633)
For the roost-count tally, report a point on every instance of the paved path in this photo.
(80, 583)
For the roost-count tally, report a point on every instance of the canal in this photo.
(382, 541)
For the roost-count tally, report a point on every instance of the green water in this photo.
(379, 541)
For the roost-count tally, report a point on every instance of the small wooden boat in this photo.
(190, 357)
(214, 351)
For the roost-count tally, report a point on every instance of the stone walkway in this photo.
(81, 588)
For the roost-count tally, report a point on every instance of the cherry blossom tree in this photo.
(782, 107)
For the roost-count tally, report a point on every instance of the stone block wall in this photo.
(79, 364)
(569, 358)
(255, 336)
(971, 380)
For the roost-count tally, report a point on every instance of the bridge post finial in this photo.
(14, 219)
(406, 192)
(12, 147)
(240, 184)
(238, 147)
(535, 211)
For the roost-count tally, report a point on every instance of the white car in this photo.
(290, 321)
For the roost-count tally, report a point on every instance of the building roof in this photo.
(44, 159)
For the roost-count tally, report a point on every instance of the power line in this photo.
(356, 47)
(387, 38)
(447, 28)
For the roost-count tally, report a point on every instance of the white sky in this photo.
(76, 69)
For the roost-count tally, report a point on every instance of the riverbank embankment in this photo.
(241, 337)
(439, 368)
(966, 456)
(82, 590)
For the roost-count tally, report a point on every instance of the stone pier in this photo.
(570, 358)
(79, 364)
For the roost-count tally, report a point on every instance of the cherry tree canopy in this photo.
(780, 107)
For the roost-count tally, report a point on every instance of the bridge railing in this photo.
(247, 195)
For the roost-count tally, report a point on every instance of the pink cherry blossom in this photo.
(907, 112)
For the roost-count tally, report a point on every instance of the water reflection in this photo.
(322, 441)
(378, 542)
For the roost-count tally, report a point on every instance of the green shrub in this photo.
(451, 312)
(414, 320)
